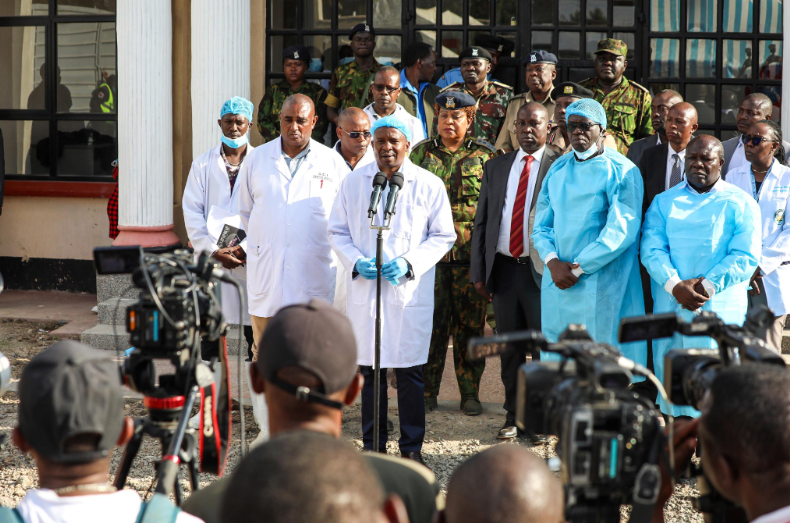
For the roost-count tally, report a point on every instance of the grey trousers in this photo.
(772, 334)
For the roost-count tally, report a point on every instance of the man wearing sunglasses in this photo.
(586, 232)
(353, 133)
(386, 89)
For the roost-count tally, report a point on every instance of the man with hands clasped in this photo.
(421, 233)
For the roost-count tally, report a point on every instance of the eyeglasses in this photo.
(584, 126)
(382, 87)
(755, 140)
(356, 135)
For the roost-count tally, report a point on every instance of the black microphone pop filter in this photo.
(396, 180)
(379, 183)
(380, 180)
(396, 184)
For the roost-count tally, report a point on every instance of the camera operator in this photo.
(745, 441)
(503, 484)
(71, 417)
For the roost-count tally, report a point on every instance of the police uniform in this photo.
(458, 309)
(491, 103)
(350, 85)
(627, 106)
(272, 102)
(508, 138)
(494, 44)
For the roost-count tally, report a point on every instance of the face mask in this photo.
(344, 61)
(235, 143)
(589, 153)
(315, 65)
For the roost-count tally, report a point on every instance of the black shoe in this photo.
(415, 456)
(390, 427)
(535, 439)
(508, 430)
(431, 403)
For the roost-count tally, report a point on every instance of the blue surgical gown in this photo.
(689, 235)
(590, 213)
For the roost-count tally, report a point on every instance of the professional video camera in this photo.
(609, 438)
(689, 373)
(178, 306)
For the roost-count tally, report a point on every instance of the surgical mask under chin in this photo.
(589, 153)
(315, 65)
(235, 143)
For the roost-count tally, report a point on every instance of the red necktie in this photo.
(517, 219)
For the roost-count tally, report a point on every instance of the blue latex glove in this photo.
(366, 267)
(394, 270)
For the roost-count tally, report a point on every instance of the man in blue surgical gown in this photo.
(586, 231)
(701, 244)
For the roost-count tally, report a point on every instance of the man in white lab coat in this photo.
(211, 201)
(286, 191)
(421, 233)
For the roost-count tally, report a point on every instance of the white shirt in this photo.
(671, 162)
(45, 506)
(777, 516)
(738, 156)
(674, 280)
(414, 124)
(503, 243)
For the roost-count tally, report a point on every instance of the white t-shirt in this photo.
(44, 506)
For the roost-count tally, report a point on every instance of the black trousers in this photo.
(516, 307)
(411, 408)
(210, 349)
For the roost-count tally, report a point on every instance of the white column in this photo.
(220, 64)
(785, 64)
(145, 134)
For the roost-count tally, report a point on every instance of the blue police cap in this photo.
(540, 57)
(454, 100)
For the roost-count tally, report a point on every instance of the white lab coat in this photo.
(774, 202)
(422, 232)
(289, 259)
(208, 186)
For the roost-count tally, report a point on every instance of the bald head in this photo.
(353, 146)
(680, 125)
(752, 109)
(297, 120)
(299, 99)
(353, 116)
(505, 483)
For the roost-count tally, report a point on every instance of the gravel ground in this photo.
(451, 437)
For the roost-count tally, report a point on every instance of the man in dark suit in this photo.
(662, 103)
(663, 166)
(751, 110)
(504, 262)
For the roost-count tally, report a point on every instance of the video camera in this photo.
(178, 305)
(609, 437)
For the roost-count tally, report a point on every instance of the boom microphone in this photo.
(396, 183)
(379, 182)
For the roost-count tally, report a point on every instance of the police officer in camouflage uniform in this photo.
(491, 97)
(295, 61)
(458, 310)
(627, 104)
(350, 83)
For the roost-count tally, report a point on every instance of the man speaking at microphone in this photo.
(421, 233)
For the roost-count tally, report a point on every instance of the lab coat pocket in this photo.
(359, 289)
(317, 273)
(259, 270)
(322, 188)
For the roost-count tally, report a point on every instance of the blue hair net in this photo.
(237, 105)
(588, 108)
(394, 122)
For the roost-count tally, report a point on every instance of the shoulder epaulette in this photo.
(500, 84)
(482, 143)
(452, 87)
(427, 140)
(642, 87)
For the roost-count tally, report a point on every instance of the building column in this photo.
(785, 65)
(145, 111)
(220, 64)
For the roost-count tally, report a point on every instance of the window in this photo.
(58, 99)
(715, 52)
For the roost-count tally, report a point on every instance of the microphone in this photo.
(396, 183)
(379, 182)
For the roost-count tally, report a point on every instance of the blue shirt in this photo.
(405, 84)
(296, 162)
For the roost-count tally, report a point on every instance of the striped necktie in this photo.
(674, 177)
(517, 219)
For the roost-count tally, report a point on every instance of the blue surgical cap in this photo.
(588, 108)
(394, 122)
(237, 105)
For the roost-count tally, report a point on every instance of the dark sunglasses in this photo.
(382, 87)
(584, 126)
(355, 135)
(755, 140)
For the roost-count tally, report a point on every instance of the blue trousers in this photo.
(411, 408)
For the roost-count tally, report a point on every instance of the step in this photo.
(107, 337)
(113, 311)
(114, 286)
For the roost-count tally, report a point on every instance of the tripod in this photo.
(167, 421)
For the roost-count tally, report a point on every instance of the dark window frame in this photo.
(50, 23)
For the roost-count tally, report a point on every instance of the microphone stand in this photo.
(377, 338)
